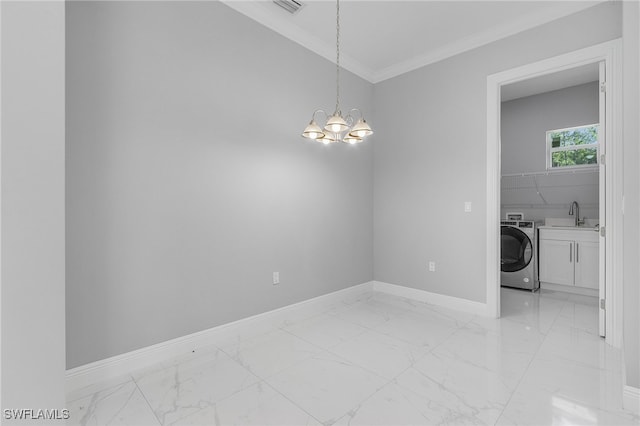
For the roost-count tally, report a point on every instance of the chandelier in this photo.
(349, 129)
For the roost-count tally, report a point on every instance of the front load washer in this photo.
(518, 254)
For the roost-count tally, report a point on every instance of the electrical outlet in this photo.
(276, 278)
(432, 266)
(467, 206)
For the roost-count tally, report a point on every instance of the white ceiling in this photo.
(554, 81)
(382, 39)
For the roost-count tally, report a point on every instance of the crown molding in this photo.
(298, 35)
(285, 28)
(480, 39)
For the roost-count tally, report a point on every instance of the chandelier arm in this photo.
(359, 112)
(350, 129)
(349, 120)
(313, 117)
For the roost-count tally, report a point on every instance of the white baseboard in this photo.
(569, 289)
(631, 399)
(120, 365)
(424, 296)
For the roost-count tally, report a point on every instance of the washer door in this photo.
(516, 249)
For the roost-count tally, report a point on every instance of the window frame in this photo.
(551, 150)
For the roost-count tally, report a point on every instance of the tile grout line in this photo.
(135, 382)
(533, 358)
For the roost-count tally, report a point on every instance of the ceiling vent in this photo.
(291, 6)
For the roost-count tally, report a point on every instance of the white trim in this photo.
(120, 365)
(583, 291)
(464, 305)
(610, 53)
(614, 160)
(474, 41)
(493, 197)
(631, 399)
(285, 27)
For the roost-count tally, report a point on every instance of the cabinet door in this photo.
(556, 261)
(587, 264)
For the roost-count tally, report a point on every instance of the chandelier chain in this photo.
(350, 129)
(337, 56)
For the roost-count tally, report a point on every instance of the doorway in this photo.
(610, 172)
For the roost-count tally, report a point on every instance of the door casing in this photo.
(610, 54)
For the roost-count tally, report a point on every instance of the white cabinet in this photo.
(556, 262)
(587, 264)
(569, 257)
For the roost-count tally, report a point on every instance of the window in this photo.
(573, 147)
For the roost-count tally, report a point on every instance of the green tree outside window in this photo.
(573, 147)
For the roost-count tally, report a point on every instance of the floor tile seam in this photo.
(322, 311)
(356, 323)
(447, 389)
(331, 346)
(248, 345)
(543, 333)
(113, 390)
(263, 377)
(522, 376)
(347, 361)
(620, 413)
(147, 401)
(434, 309)
(429, 348)
(390, 336)
(295, 363)
(554, 322)
(540, 357)
(306, 341)
(112, 385)
(366, 370)
(459, 323)
(287, 328)
(583, 329)
(232, 359)
(173, 363)
(369, 370)
(272, 387)
(213, 403)
(437, 345)
(374, 327)
(282, 324)
(368, 397)
(550, 357)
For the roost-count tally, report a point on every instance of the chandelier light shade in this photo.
(352, 128)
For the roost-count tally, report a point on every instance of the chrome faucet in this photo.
(578, 222)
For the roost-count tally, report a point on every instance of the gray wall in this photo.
(631, 136)
(524, 124)
(33, 275)
(188, 183)
(430, 155)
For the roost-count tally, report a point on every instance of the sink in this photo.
(568, 223)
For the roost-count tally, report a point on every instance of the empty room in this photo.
(332, 212)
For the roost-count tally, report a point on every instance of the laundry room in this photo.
(551, 183)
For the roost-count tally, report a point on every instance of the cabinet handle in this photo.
(577, 253)
(570, 253)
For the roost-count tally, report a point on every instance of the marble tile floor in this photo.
(384, 360)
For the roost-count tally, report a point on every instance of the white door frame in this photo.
(610, 53)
